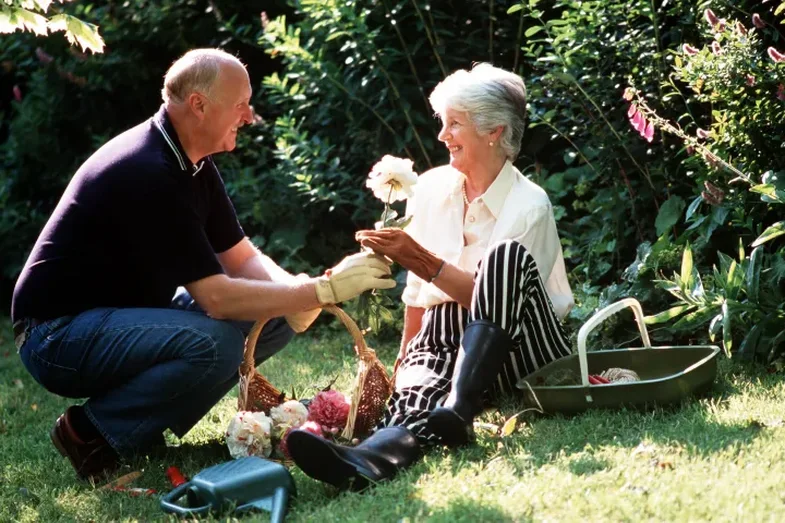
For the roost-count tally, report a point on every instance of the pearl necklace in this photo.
(463, 190)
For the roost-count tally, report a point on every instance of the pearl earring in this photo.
(490, 143)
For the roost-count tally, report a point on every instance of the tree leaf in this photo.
(753, 274)
(669, 214)
(727, 340)
(532, 31)
(771, 232)
(686, 267)
(667, 315)
(514, 9)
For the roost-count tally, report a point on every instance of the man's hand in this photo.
(354, 275)
(401, 248)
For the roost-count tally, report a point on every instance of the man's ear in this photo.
(196, 103)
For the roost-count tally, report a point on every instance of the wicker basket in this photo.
(370, 393)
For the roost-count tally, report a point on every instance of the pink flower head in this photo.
(757, 21)
(17, 93)
(639, 122)
(629, 94)
(312, 427)
(741, 29)
(690, 150)
(330, 409)
(648, 132)
(688, 49)
(750, 80)
(631, 111)
(711, 18)
(716, 48)
(702, 133)
(775, 55)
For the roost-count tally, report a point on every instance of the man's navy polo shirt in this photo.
(137, 220)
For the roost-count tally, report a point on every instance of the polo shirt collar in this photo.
(164, 125)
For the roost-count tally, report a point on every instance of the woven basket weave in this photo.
(371, 390)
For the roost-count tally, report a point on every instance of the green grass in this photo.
(721, 458)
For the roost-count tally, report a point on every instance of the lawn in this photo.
(720, 458)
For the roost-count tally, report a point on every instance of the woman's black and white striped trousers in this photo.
(508, 290)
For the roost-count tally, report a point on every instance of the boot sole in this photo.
(449, 427)
(317, 459)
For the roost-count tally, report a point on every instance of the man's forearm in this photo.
(224, 297)
(262, 267)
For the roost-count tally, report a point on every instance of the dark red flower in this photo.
(775, 55)
(757, 21)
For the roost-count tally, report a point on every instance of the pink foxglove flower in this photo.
(17, 93)
(330, 409)
(711, 18)
(716, 48)
(631, 111)
(750, 80)
(781, 92)
(689, 50)
(775, 55)
(741, 29)
(757, 21)
(702, 133)
(648, 132)
(639, 122)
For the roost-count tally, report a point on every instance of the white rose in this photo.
(290, 414)
(249, 435)
(392, 178)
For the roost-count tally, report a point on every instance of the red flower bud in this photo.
(757, 21)
(688, 49)
(750, 80)
(629, 94)
(775, 55)
(781, 92)
(17, 93)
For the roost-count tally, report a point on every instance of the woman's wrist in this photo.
(438, 272)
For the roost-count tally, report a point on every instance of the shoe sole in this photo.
(318, 460)
(450, 428)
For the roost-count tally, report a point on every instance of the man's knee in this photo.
(223, 346)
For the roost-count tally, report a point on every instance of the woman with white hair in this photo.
(486, 289)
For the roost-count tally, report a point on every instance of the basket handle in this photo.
(595, 321)
(248, 365)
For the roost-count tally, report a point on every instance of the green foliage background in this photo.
(340, 83)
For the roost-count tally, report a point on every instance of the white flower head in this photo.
(391, 179)
(290, 414)
(249, 435)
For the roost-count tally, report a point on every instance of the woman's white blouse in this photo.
(513, 207)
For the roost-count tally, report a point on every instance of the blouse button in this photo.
(471, 219)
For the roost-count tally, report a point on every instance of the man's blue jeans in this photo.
(144, 370)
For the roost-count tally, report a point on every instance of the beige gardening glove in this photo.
(353, 276)
(300, 321)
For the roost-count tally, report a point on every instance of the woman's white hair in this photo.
(195, 71)
(491, 97)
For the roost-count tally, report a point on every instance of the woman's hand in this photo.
(401, 248)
